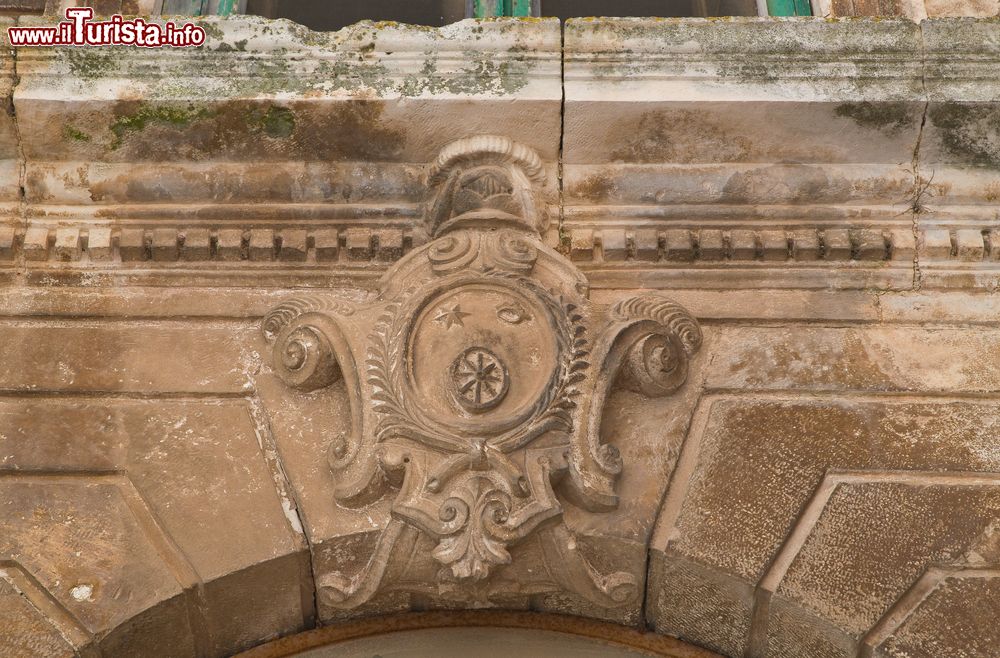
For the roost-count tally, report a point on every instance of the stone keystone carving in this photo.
(477, 383)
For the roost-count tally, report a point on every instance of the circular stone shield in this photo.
(481, 356)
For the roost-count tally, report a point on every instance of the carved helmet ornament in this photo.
(477, 381)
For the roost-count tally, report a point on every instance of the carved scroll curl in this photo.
(656, 363)
(304, 356)
(310, 351)
(645, 348)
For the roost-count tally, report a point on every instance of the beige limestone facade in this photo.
(680, 326)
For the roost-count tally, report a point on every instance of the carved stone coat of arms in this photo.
(477, 380)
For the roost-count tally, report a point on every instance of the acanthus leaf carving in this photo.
(484, 373)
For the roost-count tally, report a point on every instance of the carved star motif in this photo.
(450, 317)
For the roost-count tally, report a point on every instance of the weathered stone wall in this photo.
(821, 196)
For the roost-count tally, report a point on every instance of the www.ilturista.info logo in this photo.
(79, 30)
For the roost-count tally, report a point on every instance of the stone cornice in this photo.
(252, 57)
(791, 153)
(743, 59)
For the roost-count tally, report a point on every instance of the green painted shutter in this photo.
(789, 8)
(182, 7)
(519, 7)
(204, 7)
(491, 8)
(224, 7)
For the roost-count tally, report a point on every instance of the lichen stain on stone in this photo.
(680, 136)
(212, 29)
(254, 183)
(850, 361)
(969, 132)
(595, 189)
(351, 129)
(482, 74)
(888, 117)
(146, 114)
(353, 66)
(748, 70)
(75, 134)
(789, 183)
(35, 186)
(91, 63)
(892, 187)
(276, 122)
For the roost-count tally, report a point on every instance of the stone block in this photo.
(881, 359)
(390, 244)
(711, 244)
(7, 237)
(293, 245)
(196, 245)
(677, 245)
(170, 453)
(805, 245)
(229, 245)
(581, 245)
(745, 147)
(960, 611)
(99, 243)
(774, 245)
(261, 244)
(870, 245)
(837, 244)
(110, 357)
(903, 245)
(67, 244)
(935, 243)
(404, 115)
(36, 244)
(69, 552)
(614, 245)
(840, 486)
(358, 244)
(743, 244)
(647, 245)
(327, 244)
(164, 245)
(132, 244)
(970, 244)
(27, 632)
(994, 242)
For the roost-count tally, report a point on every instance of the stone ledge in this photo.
(830, 110)
(248, 57)
(744, 59)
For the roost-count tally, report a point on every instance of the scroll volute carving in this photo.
(478, 378)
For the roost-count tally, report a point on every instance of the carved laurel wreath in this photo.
(401, 417)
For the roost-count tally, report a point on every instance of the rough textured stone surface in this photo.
(680, 324)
